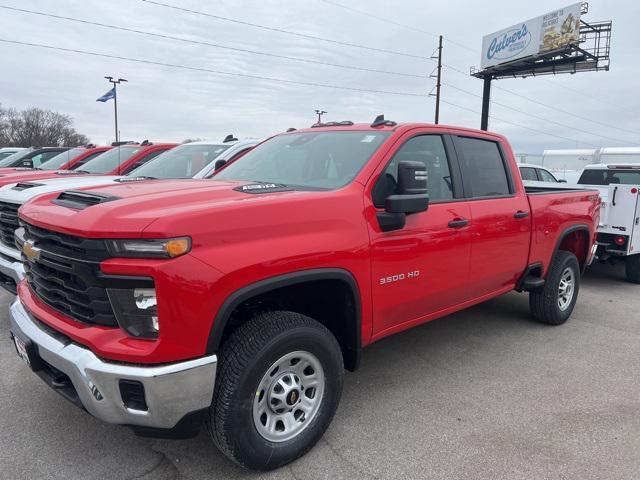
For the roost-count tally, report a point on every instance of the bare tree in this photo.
(37, 127)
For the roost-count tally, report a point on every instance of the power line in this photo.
(466, 74)
(208, 70)
(271, 79)
(287, 32)
(537, 116)
(398, 24)
(209, 44)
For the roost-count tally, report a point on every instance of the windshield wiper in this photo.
(82, 171)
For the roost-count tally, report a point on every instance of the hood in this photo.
(23, 174)
(126, 208)
(22, 191)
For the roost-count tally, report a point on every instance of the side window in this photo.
(546, 176)
(43, 157)
(528, 173)
(428, 149)
(485, 170)
(36, 160)
(143, 160)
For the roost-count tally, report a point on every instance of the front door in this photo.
(422, 268)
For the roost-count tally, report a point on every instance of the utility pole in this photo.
(438, 78)
(486, 102)
(438, 81)
(320, 113)
(115, 101)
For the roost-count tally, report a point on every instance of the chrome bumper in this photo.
(171, 391)
(11, 264)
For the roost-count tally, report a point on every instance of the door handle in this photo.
(458, 223)
(521, 214)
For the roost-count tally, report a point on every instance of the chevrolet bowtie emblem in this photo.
(30, 251)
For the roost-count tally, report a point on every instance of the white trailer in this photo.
(566, 164)
(619, 226)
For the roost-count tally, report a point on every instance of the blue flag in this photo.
(107, 96)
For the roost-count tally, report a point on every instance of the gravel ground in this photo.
(482, 394)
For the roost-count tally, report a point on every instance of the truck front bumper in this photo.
(11, 269)
(144, 397)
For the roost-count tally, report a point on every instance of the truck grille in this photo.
(8, 223)
(66, 275)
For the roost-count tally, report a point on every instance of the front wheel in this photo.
(278, 386)
(553, 303)
(632, 268)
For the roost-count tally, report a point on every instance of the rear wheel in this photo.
(632, 268)
(554, 302)
(278, 386)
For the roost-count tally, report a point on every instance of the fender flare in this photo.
(574, 228)
(353, 346)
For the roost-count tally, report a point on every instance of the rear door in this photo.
(422, 268)
(623, 215)
(500, 216)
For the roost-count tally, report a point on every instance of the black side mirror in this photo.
(411, 196)
(219, 164)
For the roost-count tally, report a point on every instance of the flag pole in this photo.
(115, 101)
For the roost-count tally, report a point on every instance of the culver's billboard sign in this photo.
(554, 30)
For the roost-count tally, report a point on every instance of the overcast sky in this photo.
(163, 103)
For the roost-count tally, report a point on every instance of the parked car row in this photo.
(231, 284)
(619, 187)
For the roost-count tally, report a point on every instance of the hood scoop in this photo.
(81, 200)
(26, 185)
(70, 172)
(263, 188)
(132, 179)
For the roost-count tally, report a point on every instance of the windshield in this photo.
(8, 161)
(181, 162)
(317, 160)
(5, 154)
(109, 161)
(610, 176)
(56, 162)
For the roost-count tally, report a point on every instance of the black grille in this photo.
(8, 223)
(62, 276)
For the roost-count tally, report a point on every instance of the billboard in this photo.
(552, 31)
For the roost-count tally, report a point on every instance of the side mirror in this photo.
(411, 196)
(219, 164)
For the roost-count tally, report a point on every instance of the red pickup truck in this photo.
(239, 301)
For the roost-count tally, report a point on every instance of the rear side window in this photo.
(486, 174)
(142, 161)
(528, 173)
(546, 176)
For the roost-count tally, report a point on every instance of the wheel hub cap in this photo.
(566, 289)
(288, 396)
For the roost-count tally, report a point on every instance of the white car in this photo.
(619, 227)
(537, 176)
(191, 160)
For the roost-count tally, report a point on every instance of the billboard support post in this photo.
(486, 100)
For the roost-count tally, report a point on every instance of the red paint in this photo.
(239, 239)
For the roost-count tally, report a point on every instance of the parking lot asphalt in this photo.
(483, 394)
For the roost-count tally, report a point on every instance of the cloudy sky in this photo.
(168, 103)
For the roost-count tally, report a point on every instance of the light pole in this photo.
(115, 100)
(320, 113)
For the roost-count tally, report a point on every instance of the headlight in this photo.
(136, 311)
(143, 248)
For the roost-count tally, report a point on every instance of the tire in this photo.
(247, 383)
(548, 304)
(632, 268)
